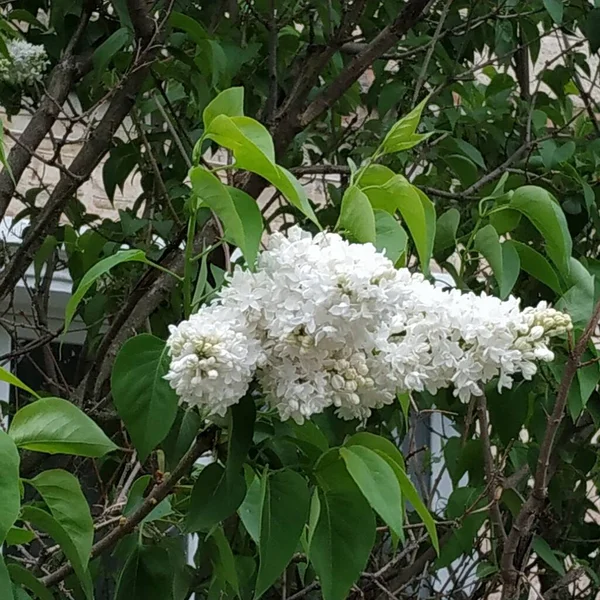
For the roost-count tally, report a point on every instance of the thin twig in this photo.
(490, 469)
(155, 169)
(203, 443)
(272, 61)
(430, 51)
(524, 521)
(188, 162)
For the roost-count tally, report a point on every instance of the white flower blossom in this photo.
(326, 323)
(213, 359)
(26, 65)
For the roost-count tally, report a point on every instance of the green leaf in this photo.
(201, 281)
(63, 496)
(508, 411)
(592, 29)
(588, 378)
(343, 536)
(250, 509)
(311, 434)
(582, 387)
(426, 251)
(485, 569)
(488, 244)
(555, 9)
(390, 192)
(470, 151)
(17, 536)
(548, 218)
(252, 222)
(105, 52)
(410, 142)
(511, 269)
(6, 588)
(3, 156)
(356, 216)
(253, 151)
(249, 140)
(10, 493)
(404, 400)
(531, 36)
(553, 155)
(313, 519)
(292, 189)
(533, 263)
(136, 499)
(376, 480)
(27, 579)
(100, 268)
(183, 433)
(380, 185)
(241, 432)
(147, 575)
(462, 538)
(385, 449)
(20, 593)
(505, 220)
(411, 494)
(43, 521)
(445, 232)
(503, 258)
(564, 152)
(547, 151)
(16, 382)
(42, 256)
(542, 549)
(377, 443)
(55, 426)
(223, 560)
(143, 398)
(213, 193)
(402, 135)
(212, 61)
(578, 301)
(390, 238)
(464, 168)
(284, 510)
(121, 161)
(215, 497)
(463, 458)
(229, 102)
(194, 30)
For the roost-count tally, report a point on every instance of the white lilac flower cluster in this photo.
(323, 322)
(26, 65)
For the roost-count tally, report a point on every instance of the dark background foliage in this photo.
(130, 80)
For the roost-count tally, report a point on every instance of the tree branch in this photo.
(203, 443)
(144, 301)
(288, 115)
(89, 156)
(272, 61)
(522, 67)
(490, 469)
(410, 15)
(572, 576)
(525, 520)
(293, 116)
(67, 71)
(430, 51)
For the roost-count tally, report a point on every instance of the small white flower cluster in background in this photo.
(26, 65)
(323, 322)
